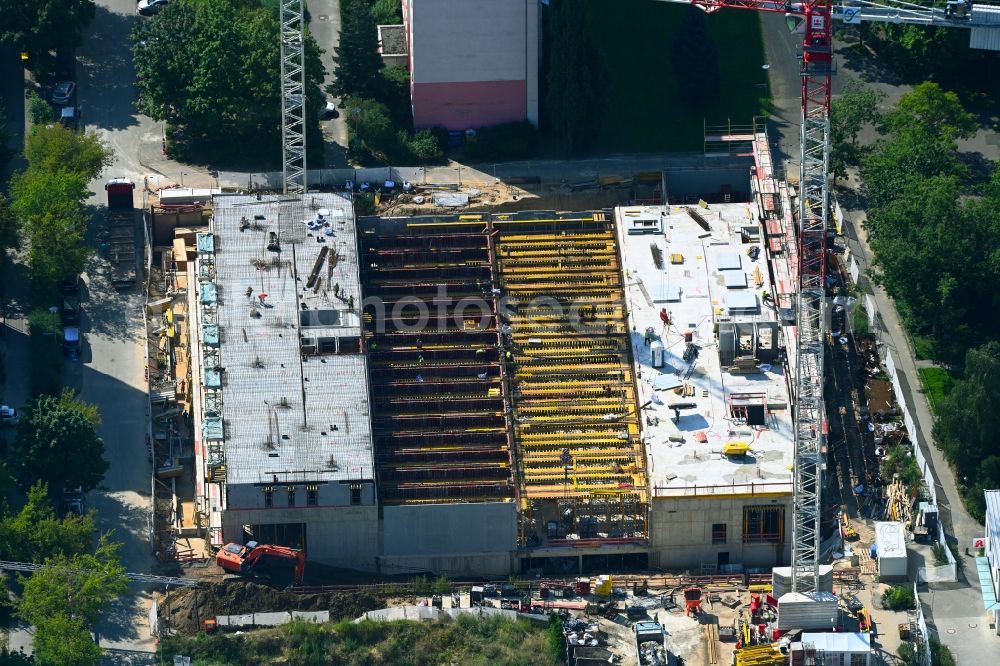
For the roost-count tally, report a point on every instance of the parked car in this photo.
(71, 501)
(70, 286)
(329, 111)
(150, 7)
(71, 342)
(70, 312)
(68, 116)
(9, 416)
(63, 92)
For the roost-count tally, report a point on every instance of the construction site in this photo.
(534, 393)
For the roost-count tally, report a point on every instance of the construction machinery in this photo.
(813, 19)
(118, 237)
(244, 560)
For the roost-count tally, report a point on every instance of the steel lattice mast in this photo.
(814, 208)
(293, 98)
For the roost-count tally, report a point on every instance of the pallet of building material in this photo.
(730, 602)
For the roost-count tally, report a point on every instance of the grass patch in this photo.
(646, 111)
(465, 640)
(899, 598)
(937, 383)
(925, 347)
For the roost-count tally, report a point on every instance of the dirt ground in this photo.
(185, 608)
(490, 197)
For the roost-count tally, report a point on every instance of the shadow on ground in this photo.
(107, 70)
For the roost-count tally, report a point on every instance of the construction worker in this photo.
(420, 359)
(420, 344)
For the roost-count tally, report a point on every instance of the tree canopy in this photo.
(39, 26)
(48, 196)
(216, 80)
(935, 249)
(855, 107)
(967, 423)
(358, 64)
(35, 533)
(57, 443)
(577, 77)
(64, 599)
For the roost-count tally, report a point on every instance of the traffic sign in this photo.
(852, 15)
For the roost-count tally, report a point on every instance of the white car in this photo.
(9, 416)
(150, 7)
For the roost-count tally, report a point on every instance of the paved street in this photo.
(111, 372)
(325, 28)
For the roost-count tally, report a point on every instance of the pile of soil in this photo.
(184, 609)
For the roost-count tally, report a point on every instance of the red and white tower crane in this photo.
(814, 20)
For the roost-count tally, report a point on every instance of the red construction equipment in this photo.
(692, 601)
(244, 560)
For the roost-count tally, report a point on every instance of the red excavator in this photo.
(244, 560)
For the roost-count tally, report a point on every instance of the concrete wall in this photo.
(484, 43)
(462, 106)
(680, 533)
(452, 539)
(344, 536)
(332, 494)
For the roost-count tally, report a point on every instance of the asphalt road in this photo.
(112, 367)
(325, 28)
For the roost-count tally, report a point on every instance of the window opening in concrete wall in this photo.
(355, 494)
(763, 524)
(718, 533)
(268, 497)
(312, 495)
(291, 496)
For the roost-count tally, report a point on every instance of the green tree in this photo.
(216, 81)
(81, 586)
(577, 77)
(855, 107)
(373, 133)
(58, 148)
(929, 108)
(58, 444)
(387, 12)
(65, 640)
(41, 26)
(695, 59)
(35, 533)
(10, 225)
(967, 422)
(39, 110)
(358, 64)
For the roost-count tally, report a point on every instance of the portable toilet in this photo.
(658, 353)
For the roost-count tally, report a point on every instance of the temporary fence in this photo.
(922, 643)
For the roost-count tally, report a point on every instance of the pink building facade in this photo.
(473, 63)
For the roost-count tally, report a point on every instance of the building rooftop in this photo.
(293, 380)
(993, 512)
(392, 39)
(711, 377)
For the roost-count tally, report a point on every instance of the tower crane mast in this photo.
(815, 19)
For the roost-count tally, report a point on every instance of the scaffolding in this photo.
(431, 334)
(580, 462)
